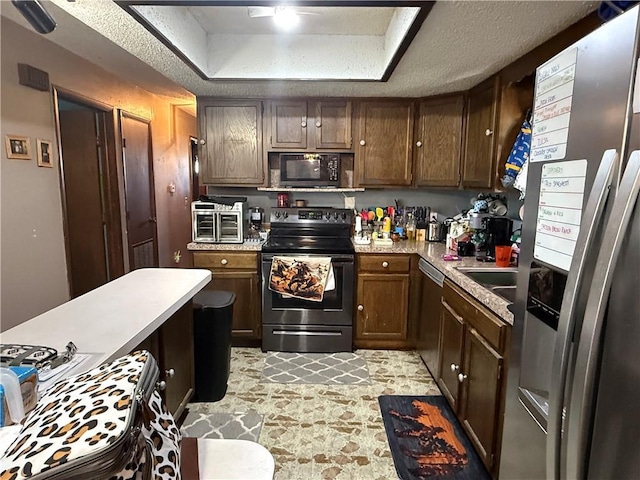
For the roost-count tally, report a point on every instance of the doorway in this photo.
(89, 181)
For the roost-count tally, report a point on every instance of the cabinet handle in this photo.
(303, 124)
(161, 385)
(362, 142)
(224, 261)
(202, 141)
(170, 373)
(318, 124)
(461, 377)
(488, 132)
(385, 264)
(454, 368)
(451, 310)
(360, 308)
(418, 144)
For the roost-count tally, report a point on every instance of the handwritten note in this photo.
(552, 107)
(559, 212)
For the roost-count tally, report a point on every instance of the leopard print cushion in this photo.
(85, 414)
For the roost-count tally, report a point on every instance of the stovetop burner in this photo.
(319, 230)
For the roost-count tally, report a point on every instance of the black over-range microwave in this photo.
(310, 169)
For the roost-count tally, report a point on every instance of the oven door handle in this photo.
(336, 260)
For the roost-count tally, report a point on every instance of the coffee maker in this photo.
(255, 222)
(499, 231)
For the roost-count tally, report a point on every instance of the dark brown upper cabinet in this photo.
(231, 142)
(310, 125)
(384, 145)
(478, 160)
(438, 142)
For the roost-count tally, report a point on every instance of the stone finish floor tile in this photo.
(324, 431)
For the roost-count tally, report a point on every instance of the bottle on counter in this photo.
(411, 227)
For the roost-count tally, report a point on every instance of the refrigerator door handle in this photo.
(587, 358)
(591, 219)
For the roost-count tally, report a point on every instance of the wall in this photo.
(33, 270)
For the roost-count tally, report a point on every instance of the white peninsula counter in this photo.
(113, 319)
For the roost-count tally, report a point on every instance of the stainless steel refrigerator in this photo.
(573, 389)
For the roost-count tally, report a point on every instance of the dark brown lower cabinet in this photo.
(237, 272)
(471, 365)
(172, 347)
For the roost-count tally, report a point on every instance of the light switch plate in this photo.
(349, 202)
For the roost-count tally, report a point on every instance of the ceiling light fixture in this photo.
(285, 18)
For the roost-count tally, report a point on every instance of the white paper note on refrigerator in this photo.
(559, 212)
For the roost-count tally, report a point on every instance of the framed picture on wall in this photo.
(18, 147)
(45, 155)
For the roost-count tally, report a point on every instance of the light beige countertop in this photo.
(227, 247)
(432, 253)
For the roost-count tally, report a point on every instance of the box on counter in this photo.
(28, 378)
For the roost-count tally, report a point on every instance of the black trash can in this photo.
(212, 317)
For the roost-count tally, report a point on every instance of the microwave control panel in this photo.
(332, 166)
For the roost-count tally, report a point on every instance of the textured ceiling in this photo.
(460, 44)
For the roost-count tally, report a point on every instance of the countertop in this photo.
(432, 253)
(227, 247)
(113, 319)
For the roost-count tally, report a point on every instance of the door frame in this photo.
(113, 202)
(121, 114)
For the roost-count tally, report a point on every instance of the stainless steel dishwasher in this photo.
(428, 335)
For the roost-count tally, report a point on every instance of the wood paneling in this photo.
(289, 124)
(481, 399)
(384, 143)
(384, 301)
(332, 125)
(478, 161)
(438, 142)
(450, 363)
(232, 131)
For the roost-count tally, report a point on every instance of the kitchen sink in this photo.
(508, 293)
(491, 277)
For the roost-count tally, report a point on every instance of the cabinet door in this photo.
(384, 149)
(176, 359)
(246, 309)
(288, 124)
(428, 338)
(232, 152)
(333, 125)
(477, 165)
(450, 364)
(481, 397)
(382, 306)
(438, 142)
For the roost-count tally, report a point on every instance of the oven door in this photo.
(336, 307)
(229, 225)
(205, 226)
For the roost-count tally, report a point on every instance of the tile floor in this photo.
(324, 431)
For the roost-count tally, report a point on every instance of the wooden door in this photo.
(438, 142)
(450, 364)
(247, 321)
(481, 398)
(139, 192)
(382, 307)
(333, 125)
(289, 124)
(384, 148)
(83, 194)
(477, 165)
(176, 359)
(232, 135)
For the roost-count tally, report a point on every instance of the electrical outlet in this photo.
(349, 202)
